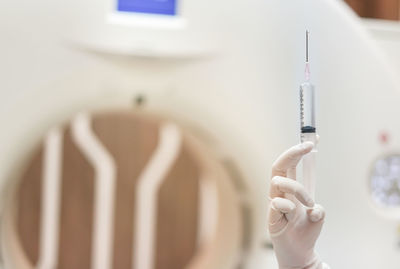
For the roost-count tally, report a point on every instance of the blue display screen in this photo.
(161, 7)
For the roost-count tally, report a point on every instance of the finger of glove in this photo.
(283, 205)
(317, 213)
(279, 207)
(281, 186)
(290, 158)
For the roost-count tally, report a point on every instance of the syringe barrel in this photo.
(308, 133)
(307, 108)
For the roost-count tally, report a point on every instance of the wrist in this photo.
(314, 263)
(317, 264)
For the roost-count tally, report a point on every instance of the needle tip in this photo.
(307, 70)
(307, 37)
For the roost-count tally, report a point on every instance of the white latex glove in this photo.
(295, 221)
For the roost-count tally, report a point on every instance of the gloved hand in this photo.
(295, 221)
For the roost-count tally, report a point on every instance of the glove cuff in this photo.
(325, 266)
(316, 263)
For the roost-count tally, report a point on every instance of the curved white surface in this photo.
(149, 183)
(104, 167)
(245, 98)
(50, 201)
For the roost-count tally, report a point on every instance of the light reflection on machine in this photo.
(385, 181)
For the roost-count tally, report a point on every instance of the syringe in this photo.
(308, 128)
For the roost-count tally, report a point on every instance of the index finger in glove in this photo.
(282, 185)
(290, 158)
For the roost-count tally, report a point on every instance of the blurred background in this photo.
(381, 19)
(386, 10)
(141, 133)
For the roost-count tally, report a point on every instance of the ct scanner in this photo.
(226, 72)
